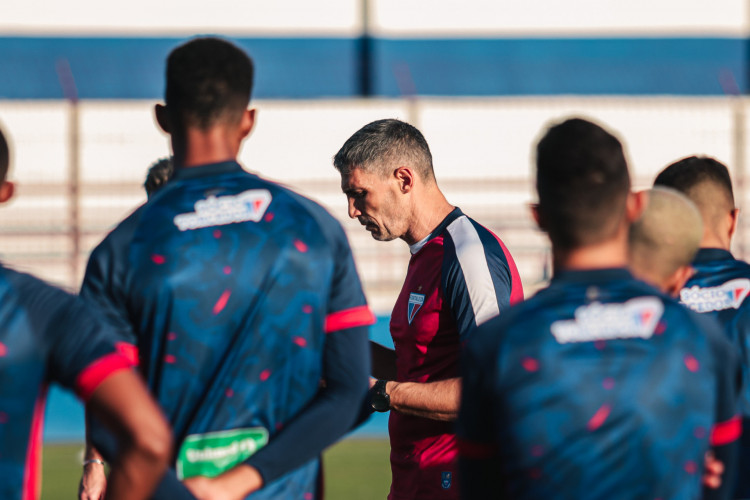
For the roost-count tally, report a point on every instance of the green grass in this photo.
(354, 468)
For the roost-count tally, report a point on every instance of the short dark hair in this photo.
(583, 182)
(373, 147)
(158, 175)
(208, 80)
(687, 173)
(4, 156)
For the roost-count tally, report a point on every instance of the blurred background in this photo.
(480, 78)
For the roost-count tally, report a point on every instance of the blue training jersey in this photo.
(719, 288)
(232, 287)
(598, 387)
(47, 336)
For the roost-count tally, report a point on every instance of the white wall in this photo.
(388, 17)
(482, 152)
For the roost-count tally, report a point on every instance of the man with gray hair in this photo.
(460, 275)
(665, 239)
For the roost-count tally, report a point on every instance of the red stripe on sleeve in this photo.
(726, 432)
(349, 318)
(130, 352)
(94, 374)
(476, 451)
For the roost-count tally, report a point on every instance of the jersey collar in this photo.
(593, 275)
(209, 169)
(712, 254)
(455, 214)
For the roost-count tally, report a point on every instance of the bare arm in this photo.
(434, 400)
(123, 404)
(383, 361)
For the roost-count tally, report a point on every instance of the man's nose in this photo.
(353, 211)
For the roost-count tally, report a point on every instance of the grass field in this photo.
(354, 468)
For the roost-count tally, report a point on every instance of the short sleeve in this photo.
(347, 304)
(477, 282)
(80, 345)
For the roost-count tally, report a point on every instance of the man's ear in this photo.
(7, 189)
(534, 208)
(635, 205)
(677, 281)
(735, 215)
(162, 118)
(405, 178)
(247, 122)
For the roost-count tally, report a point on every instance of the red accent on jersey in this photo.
(95, 373)
(32, 481)
(726, 432)
(129, 351)
(349, 318)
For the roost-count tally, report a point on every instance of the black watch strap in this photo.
(379, 399)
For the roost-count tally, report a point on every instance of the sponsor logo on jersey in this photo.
(446, 478)
(220, 210)
(212, 453)
(728, 295)
(415, 304)
(636, 318)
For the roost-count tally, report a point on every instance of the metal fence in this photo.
(79, 169)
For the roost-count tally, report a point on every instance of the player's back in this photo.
(719, 288)
(600, 388)
(46, 335)
(227, 282)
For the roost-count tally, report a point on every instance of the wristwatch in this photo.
(379, 399)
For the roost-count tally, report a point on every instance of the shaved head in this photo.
(666, 237)
(707, 183)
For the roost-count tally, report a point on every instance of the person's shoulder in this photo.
(36, 296)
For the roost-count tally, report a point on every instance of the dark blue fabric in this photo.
(229, 315)
(597, 387)
(715, 268)
(47, 336)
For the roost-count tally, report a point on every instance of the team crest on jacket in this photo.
(415, 304)
(728, 295)
(446, 478)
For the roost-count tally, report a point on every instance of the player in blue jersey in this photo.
(50, 336)
(721, 283)
(599, 386)
(240, 296)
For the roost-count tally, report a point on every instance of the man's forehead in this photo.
(356, 178)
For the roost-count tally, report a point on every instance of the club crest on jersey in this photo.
(446, 478)
(220, 210)
(728, 295)
(636, 318)
(416, 300)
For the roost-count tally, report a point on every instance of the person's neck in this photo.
(713, 241)
(611, 253)
(426, 216)
(203, 147)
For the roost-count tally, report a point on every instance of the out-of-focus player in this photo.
(721, 283)
(460, 275)
(158, 175)
(599, 386)
(665, 239)
(240, 296)
(49, 336)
